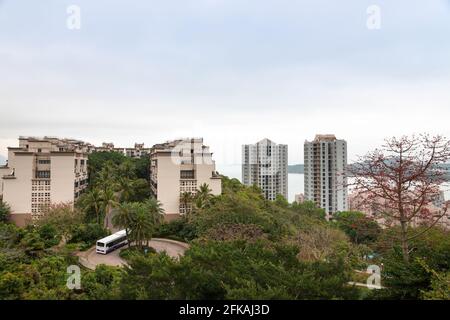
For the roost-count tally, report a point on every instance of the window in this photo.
(43, 174)
(117, 241)
(44, 161)
(187, 174)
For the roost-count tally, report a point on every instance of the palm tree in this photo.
(141, 226)
(139, 220)
(127, 170)
(155, 211)
(93, 201)
(202, 196)
(125, 188)
(123, 218)
(105, 179)
(109, 201)
(186, 200)
(144, 219)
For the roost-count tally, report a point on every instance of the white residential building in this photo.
(181, 166)
(265, 164)
(325, 180)
(40, 172)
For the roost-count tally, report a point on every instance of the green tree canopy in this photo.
(360, 228)
(5, 211)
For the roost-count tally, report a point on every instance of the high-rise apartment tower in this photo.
(325, 180)
(265, 164)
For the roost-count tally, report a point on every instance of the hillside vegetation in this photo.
(241, 247)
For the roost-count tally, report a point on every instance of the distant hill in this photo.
(445, 166)
(2, 160)
(300, 169)
(296, 168)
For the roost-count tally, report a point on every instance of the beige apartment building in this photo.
(137, 151)
(40, 172)
(181, 166)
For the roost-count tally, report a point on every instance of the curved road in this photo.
(90, 259)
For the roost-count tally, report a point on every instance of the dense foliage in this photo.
(235, 270)
(429, 264)
(241, 247)
(114, 179)
(98, 160)
(359, 227)
(5, 210)
(33, 267)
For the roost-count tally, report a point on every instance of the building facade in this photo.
(181, 166)
(41, 172)
(265, 164)
(325, 160)
(299, 198)
(137, 151)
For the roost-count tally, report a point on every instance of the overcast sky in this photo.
(231, 71)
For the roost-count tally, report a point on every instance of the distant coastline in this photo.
(296, 168)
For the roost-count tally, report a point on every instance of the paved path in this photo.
(90, 259)
(369, 286)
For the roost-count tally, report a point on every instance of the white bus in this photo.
(112, 242)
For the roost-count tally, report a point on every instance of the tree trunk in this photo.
(404, 242)
(105, 221)
(128, 238)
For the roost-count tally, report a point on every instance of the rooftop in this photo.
(325, 137)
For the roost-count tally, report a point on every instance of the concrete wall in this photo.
(168, 184)
(3, 171)
(11, 157)
(17, 190)
(204, 173)
(21, 219)
(215, 184)
(62, 178)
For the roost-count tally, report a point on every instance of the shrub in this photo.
(128, 253)
(49, 234)
(178, 229)
(88, 234)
